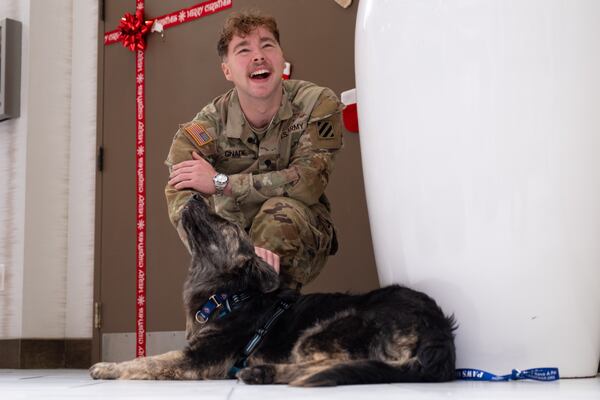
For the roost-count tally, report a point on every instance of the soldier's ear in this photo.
(226, 71)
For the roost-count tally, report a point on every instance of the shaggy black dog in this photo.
(240, 323)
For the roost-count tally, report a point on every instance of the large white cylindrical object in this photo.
(480, 136)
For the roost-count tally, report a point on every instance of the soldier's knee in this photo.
(279, 211)
(294, 231)
(282, 225)
(282, 204)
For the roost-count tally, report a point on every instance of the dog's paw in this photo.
(257, 375)
(104, 370)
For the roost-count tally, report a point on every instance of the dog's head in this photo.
(222, 254)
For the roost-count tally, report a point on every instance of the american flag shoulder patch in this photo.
(197, 133)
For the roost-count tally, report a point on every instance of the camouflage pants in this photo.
(301, 235)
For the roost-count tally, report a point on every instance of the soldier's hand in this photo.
(194, 174)
(270, 258)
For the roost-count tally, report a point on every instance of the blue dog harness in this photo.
(259, 335)
(225, 304)
(222, 302)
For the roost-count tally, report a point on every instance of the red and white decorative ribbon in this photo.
(175, 18)
(141, 202)
(132, 31)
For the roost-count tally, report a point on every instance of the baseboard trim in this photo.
(118, 347)
(45, 353)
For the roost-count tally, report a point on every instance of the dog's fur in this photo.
(393, 334)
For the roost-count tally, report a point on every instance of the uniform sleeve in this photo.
(311, 162)
(181, 150)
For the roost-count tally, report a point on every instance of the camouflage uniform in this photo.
(278, 177)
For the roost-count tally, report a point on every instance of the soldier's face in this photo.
(254, 64)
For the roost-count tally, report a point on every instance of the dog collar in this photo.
(222, 302)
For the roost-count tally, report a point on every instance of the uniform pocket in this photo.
(326, 229)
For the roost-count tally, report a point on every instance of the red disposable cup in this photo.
(349, 114)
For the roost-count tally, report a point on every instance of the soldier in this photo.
(262, 153)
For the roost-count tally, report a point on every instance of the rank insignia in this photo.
(198, 134)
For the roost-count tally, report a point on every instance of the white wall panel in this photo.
(47, 174)
(13, 139)
(80, 264)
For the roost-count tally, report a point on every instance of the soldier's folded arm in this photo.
(181, 150)
(308, 173)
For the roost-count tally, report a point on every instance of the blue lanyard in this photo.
(536, 374)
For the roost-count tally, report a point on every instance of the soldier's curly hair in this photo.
(242, 24)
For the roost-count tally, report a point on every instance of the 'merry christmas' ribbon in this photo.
(131, 32)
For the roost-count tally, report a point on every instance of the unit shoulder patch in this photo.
(325, 129)
(326, 134)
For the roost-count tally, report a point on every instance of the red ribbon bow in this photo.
(133, 28)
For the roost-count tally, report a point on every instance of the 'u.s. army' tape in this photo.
(536, 374)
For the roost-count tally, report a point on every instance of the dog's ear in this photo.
(263, 275)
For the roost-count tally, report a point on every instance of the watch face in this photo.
(221, 179)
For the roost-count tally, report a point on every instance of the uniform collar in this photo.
(235, 127)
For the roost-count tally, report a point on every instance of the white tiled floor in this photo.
(76, 384)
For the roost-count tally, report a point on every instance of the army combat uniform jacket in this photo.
(292, 159)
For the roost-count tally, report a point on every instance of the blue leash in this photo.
(536, 374)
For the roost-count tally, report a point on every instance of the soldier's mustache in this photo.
(260, 64)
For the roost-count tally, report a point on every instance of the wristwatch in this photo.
(220, 181)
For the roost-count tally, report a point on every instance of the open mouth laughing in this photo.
(260, 74)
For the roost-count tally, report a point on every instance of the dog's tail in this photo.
(361, 372)
(433, 361)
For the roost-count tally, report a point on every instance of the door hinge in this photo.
(102, 10)
(100, 159)
(97, 315)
